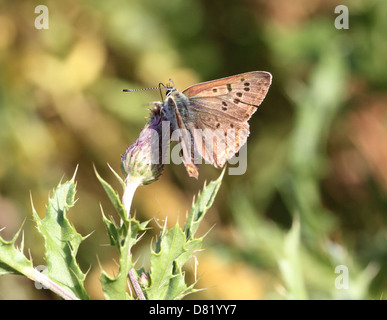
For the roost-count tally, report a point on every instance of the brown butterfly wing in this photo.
(186, 143)
(220, 135)
(224, 106)
(247, 89)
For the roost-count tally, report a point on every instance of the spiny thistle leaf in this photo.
(114, 288)
(171, 247)
(124, 238)
(174, 247)
(203, 203)
(62, 240)
(12, 259)
(114, 198)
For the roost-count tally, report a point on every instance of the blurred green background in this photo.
(314, 196)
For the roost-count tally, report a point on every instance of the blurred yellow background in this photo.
(315, 192)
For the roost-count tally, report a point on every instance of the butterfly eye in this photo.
(170, 87)
(169, 91)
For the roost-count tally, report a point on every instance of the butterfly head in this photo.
(169, 87)
(170, 90)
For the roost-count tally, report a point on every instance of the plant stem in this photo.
(36, 275)
(135, 284)
(128, 195)
(127, 202)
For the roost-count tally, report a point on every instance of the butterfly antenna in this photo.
(160, 86)
(164, 87)
(140, 89)
(173, 84)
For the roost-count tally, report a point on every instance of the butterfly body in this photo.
(212, 116)
(176, 104)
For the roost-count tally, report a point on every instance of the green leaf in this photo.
(114, 288)
(203, 203)
(12, 259)
(167, 277)
(290, 264)
(112, 195)
(162, 262)
(120, 180)
(190, 247)
(123, 237)
(175, 247)
(62, 240)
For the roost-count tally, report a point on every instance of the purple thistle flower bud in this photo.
(144, 280)
(142, 161)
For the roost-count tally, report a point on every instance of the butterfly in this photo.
(213, 116)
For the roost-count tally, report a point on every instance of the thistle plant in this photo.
(165, 279)
(142, 161)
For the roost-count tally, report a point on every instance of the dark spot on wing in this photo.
(246, 84)
(218, 125)
(243, 79)
(246, 89)
(236, 101)
(215, 90)
(239, 94)
(231, 125)
(229, 87)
